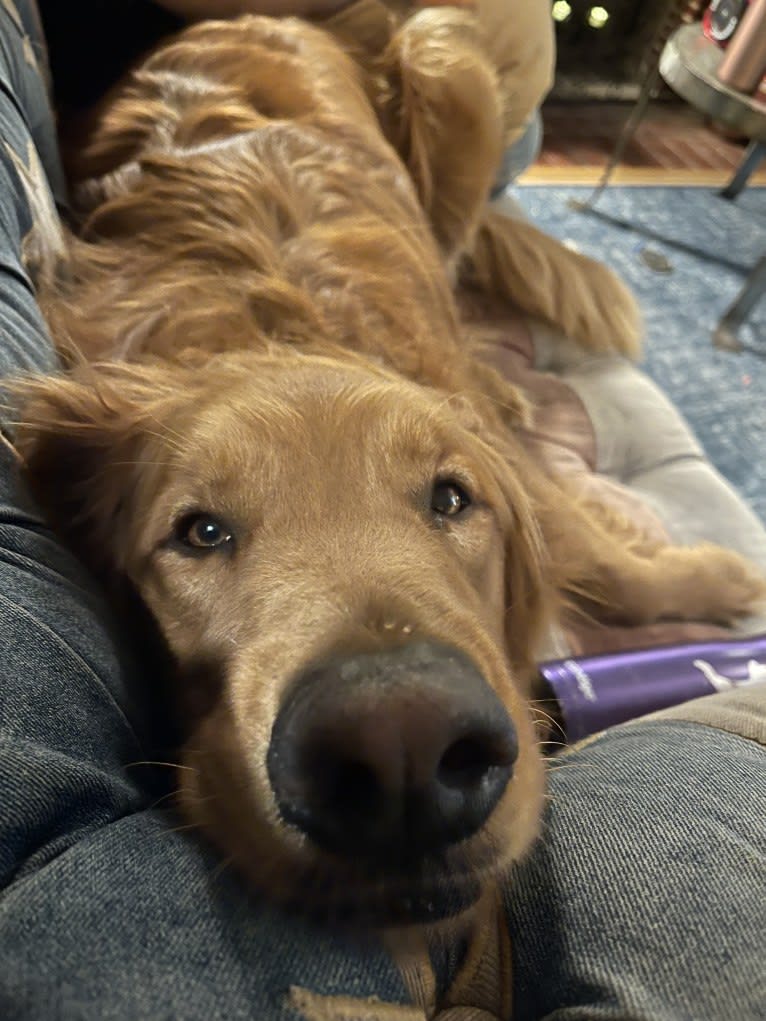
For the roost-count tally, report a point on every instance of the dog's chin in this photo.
(385, 900)
(401, 908)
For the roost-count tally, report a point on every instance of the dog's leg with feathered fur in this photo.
(444, 118)
(512, 259)
(616, 573)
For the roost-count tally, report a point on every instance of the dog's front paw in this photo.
(725, 587)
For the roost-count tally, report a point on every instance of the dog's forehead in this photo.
(311, 413)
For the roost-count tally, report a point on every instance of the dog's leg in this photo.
(618, 575)
(443, 116)
(702, 582)
(515, 261)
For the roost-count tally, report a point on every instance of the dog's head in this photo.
(350, 582)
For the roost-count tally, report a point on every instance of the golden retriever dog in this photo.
(451, 87)
(272, 428)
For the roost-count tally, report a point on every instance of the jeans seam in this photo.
(32, 566)
(23, 872)
(591, 739)
(761, 742)
(73, 655)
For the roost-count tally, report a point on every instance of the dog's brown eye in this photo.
(449, 498)
(202, 532)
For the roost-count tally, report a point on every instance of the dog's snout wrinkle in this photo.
(392, 756)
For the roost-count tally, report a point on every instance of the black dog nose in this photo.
(391, 755)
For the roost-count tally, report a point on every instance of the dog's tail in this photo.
(515, 261)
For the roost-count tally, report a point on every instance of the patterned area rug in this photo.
(686, 253)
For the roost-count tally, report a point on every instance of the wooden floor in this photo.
(673, 145)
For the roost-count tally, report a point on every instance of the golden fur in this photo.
(442, 93)
(262, 328)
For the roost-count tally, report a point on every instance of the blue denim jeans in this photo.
(520, 155)
(643, 899)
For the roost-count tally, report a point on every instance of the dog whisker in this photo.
(184, 828)
(549, 750)
(141, 463)
(216, 872)
(168, 431)
(170, 796)
(166, 437)
(555, 766)
(540, 714)
(155, 762)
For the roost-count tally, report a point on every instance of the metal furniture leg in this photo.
(679, 11)
(629, 128)
(725, 334)
(756, 152)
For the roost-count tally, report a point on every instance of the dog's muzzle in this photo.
(391, 757)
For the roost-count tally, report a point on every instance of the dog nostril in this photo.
(352, 786)
(468, 760)
(346, 788)
(463, 764)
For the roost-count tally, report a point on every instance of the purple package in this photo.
(595, 692)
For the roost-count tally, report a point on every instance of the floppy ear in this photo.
(521, 499)
(531, 598)
(81, 438)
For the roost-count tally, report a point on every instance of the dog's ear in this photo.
(521, 503)
(531, 598)
(81, 438)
